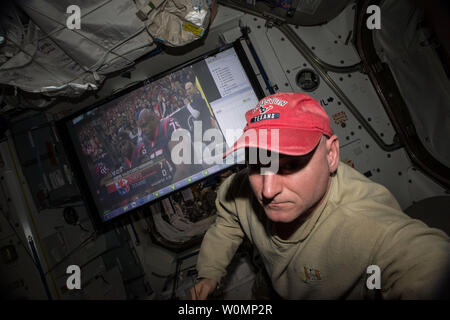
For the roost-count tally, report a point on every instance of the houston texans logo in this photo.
(263, 110)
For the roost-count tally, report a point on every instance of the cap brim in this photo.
(292, 142)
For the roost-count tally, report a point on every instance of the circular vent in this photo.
(307, 79)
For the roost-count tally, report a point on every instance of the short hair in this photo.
(146, 115)
(190, 84)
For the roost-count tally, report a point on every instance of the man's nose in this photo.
(271, 185)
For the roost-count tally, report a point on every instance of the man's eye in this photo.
(257, 168)
(290, 167)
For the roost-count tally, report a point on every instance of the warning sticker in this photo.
(340, 117)
(309, 6)
(193, 28)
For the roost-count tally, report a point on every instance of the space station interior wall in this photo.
(126, 262)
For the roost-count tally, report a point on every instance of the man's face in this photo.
(148, 124)
(298, 185)
(125, 148)
(190, 90)
(148, 128)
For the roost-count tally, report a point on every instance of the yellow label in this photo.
(193, 28)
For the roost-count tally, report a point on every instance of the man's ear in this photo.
(333, 153)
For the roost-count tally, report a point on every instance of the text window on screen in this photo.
(237, 95)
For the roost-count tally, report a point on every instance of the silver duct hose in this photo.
(322, 68)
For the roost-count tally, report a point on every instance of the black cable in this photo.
(83, 243)
(18, 236)
(98, 256)
(257, 61)
(160, 275)
(137, 241)
(38, 265)
(175, 280)
(82, 228)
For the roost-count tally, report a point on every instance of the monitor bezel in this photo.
(75, 162)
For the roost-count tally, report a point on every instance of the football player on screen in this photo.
(156, 142)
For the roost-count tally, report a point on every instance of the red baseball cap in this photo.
(298, 119)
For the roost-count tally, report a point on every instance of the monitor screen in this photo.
(162, 134)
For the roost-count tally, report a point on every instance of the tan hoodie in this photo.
(358, 224)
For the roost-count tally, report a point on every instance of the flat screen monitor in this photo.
(162, 134)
